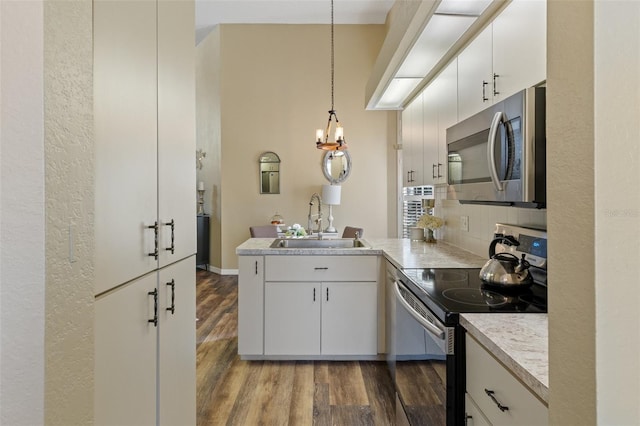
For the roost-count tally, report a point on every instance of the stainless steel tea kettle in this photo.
(505, 269)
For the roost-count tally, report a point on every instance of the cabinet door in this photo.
(475, 75)
(412, 156)
(250, 305)
(176, 130)
(473, 415)
(125, 107)
(177, 343)
(349, 318)
(292, 318)
(519, 46)
(447, 95)
(125, 355)
(430, 134)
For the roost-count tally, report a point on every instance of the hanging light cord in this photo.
(332, 60)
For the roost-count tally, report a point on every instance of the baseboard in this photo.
(219, 271)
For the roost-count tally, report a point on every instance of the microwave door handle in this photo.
(431, 328)
(491, 147)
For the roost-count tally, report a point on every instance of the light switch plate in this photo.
(464, 223)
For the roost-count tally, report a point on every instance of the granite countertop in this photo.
(402, 253)
(261, 247)
(519, 341)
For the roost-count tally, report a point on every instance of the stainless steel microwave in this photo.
(498, 156)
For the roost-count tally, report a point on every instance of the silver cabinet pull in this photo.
(172, 308)
(433, 171)
(502, 408)
(484, 94)
(172, 224)
(439, 174)
(155, 239)
(495, 92)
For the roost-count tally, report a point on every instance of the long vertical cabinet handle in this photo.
(154, 320)
(439, 174)
(155, 240)
(495, 90)
(314, 294)
(491, 146)
(484, 93)
(172, 224)
(256, 267)
(172, 308)
(327, 294)
(433, 171)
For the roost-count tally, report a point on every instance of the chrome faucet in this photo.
(315, 196)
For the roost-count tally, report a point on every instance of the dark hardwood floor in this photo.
(235, 392)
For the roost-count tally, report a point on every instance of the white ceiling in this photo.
(212, 12)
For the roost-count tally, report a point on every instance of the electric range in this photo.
(428, 339)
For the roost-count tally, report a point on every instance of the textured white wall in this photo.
(22, 212)
(69, 150)
(617, 213)
(571, 213)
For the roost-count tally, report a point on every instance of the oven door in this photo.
(423, 347)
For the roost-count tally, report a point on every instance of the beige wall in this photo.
(208, 135)
(69, 162)
(594, 212)
(571, 212)
(275, 91)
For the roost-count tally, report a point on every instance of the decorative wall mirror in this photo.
(336, 166)
(269, 173)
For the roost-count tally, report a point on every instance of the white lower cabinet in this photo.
(473, 416)
(337, 318)
(497, 396)
(292, 318)
(308, 306)
(144, 352)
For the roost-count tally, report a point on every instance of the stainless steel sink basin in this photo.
(309, 243)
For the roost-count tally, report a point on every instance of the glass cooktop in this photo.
(449, 292)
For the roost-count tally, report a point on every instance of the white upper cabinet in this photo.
(440, 110)
(474, 75)
(125, 108)
(176, 132)
(430, 135)
(412, 150)
(144, 112)
(520, 47)
(506, 57)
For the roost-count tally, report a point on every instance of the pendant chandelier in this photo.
(322, 138)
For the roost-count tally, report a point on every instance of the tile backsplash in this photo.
(481, 222)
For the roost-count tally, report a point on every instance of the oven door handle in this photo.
(429, 326)
(498, 118)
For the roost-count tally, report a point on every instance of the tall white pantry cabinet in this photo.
(144, 112)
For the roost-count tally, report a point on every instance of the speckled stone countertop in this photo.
(519, 341)
(261, 247)
(403, 253)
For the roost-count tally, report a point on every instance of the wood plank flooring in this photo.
(235, 392)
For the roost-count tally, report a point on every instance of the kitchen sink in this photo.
(309, 243)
